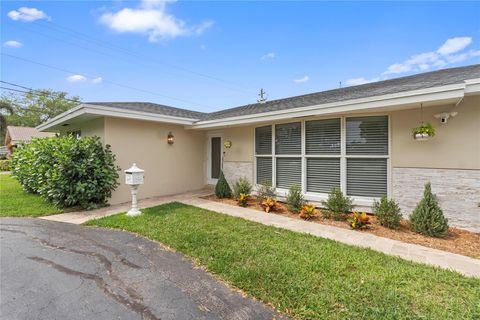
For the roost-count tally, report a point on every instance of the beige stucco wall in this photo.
(456, 144)
(169, 169)
(90, 128)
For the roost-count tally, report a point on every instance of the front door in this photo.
(215, 163)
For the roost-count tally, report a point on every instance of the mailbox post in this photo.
(134, 177)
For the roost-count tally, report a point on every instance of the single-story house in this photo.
(357, 138)
(16, 135)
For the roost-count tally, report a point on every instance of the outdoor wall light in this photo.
(170, 138)
(227, 144)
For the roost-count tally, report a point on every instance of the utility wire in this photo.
(106, 81)
(33, 91)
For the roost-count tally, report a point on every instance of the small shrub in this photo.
(428, 218)
(4, 165)
(308, 212)
(337, 205)
(266, 191)
(295, 200)
(222, 189)
(243, 200)
(359, 220)
(387, 212)
(269, 204)
(67, 171)
(240, 186)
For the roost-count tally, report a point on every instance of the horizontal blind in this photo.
(367, 135)
(366, 177)
(289, 172)
(288, 138)
(323, 174)
(264, 170)
(322, 136)
(263, 140)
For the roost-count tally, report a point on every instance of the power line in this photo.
(33, 91)
(106, 81)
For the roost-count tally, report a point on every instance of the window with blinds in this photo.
(367, 135)
(264, 170)
(323, 174)
(288, 138)
(366, 177)
(263, 140)
(289, 172)
(322, 136)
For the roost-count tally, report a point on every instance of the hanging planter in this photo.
(424, 132)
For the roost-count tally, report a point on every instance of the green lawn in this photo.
(306, 276)
(14, 202)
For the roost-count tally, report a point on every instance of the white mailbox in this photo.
(134, 177)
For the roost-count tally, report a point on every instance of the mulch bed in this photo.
(458, 240)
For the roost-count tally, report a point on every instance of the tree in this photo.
(5, 109)
(35, 107)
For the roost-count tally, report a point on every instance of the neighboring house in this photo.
(16, 135)
(356, 138)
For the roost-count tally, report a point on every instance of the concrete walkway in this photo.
(462, 264)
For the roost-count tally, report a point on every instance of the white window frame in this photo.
(314, 196)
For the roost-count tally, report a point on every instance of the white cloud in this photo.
(203, 47)
(12, 44)
(97, 80)
(359, 81)
(76, 78)
(151, 19)
(454, 45)
(270, 55)
(303, 79)
(27, 14)
(448, 53)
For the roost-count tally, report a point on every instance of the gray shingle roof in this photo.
(413, 82)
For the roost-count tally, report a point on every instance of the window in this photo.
(350, 153)
(77, 133)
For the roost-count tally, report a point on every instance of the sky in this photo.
(212, 55)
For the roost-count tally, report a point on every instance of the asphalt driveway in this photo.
(52, 270)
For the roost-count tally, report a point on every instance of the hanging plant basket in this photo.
(424, 132)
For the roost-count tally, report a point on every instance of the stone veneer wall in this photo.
(233, 170)
(458, 192)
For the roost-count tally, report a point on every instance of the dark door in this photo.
(216, 157)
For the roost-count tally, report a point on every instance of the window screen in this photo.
(289, 172)
(323, 174)
(367, 135)
(322, 136)
(288, 139)
(366, 177)
(263, 140)
(264, 170)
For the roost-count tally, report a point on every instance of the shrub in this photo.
(428, 218)
(4, 165)
(240, 186)
(222, 189)
(337, 205)
(269, 204)
(243, 200)
(387, 212)
(359, 220)
(308, 211)
(295, 200)
(67, 171)
(266, 191)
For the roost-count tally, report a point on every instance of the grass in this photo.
(306, 276)
(14, 202)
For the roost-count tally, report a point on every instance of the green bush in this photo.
(387, 212)
(240, 186)
(428, 218)
(266, 191)
(67, 171)
(222, 189)
(337, 205)
(4, 165)
(295, 200)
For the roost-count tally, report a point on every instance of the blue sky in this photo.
(211, 55)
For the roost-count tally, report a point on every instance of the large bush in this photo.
(387, 212)
(428, 218)
(67, 171)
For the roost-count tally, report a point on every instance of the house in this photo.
(357, 138)
(16, 135)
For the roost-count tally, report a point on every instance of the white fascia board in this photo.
(402, 98)
(112, 112)
(472, 86)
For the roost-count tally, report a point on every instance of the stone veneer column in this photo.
(458, 192)
(233, 170)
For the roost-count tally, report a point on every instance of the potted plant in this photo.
(423, 132)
